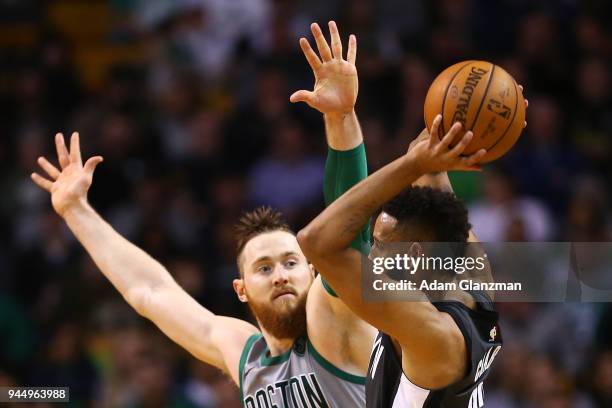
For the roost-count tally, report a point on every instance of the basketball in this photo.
(485, 99)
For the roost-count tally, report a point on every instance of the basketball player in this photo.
(310, 349)
(426, 354)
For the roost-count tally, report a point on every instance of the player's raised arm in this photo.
(144, 283)
(326, 242)
(334, 95)
(331, 323)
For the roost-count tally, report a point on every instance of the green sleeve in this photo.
(344, 169)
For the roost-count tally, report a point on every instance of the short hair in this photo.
(438, 212)
(256, 222)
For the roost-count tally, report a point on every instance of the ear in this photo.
(240, 290)
(415, 250)
(312, 270)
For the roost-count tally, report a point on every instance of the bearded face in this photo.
(284, 317)
(275, 283)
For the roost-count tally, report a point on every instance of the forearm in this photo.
(344, 169)
(335, 228)
(346, 163)
(343, 131)
(126, 266)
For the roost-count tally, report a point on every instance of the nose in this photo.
(281, 276)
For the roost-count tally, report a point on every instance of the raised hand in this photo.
(336, 84)
(431, 155)
(70, 185)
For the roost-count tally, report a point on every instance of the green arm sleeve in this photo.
(344, 169)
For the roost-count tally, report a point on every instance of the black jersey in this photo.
(388, 387)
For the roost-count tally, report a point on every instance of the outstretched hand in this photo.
(336, 84)
(432, 155)
(69, 185)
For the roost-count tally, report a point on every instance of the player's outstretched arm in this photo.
(332, 326)
(144, 283)
(418, 326)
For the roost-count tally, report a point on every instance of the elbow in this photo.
(139, 299)
(146, 300)
(311, 247)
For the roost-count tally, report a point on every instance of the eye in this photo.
(291, 263)
(264, 269)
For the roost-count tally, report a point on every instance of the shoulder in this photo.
(232, 337)
(336, 332)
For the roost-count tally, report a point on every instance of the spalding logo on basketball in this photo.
(485, 99)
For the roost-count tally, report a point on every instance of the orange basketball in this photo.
(485, 99)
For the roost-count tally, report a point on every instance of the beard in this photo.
(283, 319)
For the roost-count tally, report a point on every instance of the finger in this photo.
(526, 103)
(351, 54)
(311, 56)
(302, 96)
(62, 152)
(51, 170)
(322, 46)
(41, 182)
(525, 125)
(463, 143)
(435, 131)
(75, 149)
(451, 135)
(521, 88)
(336, 43)
(90, 165)
(472, 160)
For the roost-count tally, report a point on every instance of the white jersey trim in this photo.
(409, 395)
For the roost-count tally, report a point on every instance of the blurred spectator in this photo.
(503, 215)
(17, 343)
(289, 179)
(543, 164)
(600, 377)
(204, 34)
(64, 364)
(588, 216)
(592, 120)
(198, 387)
(539, 48)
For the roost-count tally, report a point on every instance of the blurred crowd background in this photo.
(188, 102)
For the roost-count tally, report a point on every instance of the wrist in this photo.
(342, 130)
(338, 116)
(75, 209)
(414, 163)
